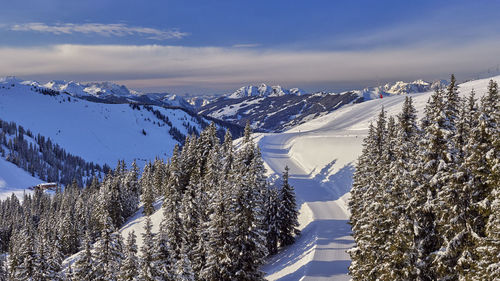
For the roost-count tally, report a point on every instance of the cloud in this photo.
(246, 45)
(118, 29)
(177, 67)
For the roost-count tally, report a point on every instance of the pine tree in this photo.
(368, 193)
(247, 221)
(431, 170)
(218, 264)
(3, 270)
(108, 253)
(129, 270)
(83, 269)
(162, 256)
(272, 206)
(147, 271)
(29, 265)
(483, 161)
(184, 269)
(400, 256)
(287, 213)
(147, 190)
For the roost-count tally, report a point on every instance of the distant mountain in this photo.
(263, 91)
(273, 108)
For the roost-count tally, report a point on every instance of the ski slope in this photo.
(321, 155)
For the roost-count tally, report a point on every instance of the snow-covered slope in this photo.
(98, 132)
(321, 155)
(14, 180)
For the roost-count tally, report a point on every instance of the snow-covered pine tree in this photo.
(184, 269)
(29, 265)
(217, 232)
(147, 270)
(162, 256)
(108, 253)
(483, 161)
(3, 269)
(287, 213)
(247, 219)
(129, 269)
(358, 269)
(83, 269)
(147, 197)
(272, 205)
(431, 176)
(191, 210)
(365, 223)
(158, 177)
(171, 220)
(399, 254)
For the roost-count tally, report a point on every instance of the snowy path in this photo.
(319, 254)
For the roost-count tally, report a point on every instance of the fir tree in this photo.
(147, 191)
(287, 213)
(147, 271)
(129, 270)
(83, 269)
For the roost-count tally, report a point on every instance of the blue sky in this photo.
(217, 46)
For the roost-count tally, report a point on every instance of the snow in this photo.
(14, 180)
(321, 155)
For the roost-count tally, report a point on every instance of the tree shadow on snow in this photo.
(321, 233)
(324, 186)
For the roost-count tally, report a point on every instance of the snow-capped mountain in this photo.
(96, 89)
(417, 86)
(263, 90)
(275, 108)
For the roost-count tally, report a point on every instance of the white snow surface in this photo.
(14, 180)
(321, 155)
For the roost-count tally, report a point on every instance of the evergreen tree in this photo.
(83, 269)
(272, 208)
(129, 270)
(3, 270)
(147, 271)
(184, 269)
(147, 190)
(287, 213)
(108, 253)
(400, 257)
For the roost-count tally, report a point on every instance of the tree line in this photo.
(426, 197)
(44, 159)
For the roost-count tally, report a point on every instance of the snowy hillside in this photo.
(99, 132)
(321, 156)
(14, 180)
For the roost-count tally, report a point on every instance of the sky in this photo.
(207, 47)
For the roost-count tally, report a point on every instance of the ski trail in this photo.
(320, 252)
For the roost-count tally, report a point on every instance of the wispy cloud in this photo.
(118, 29)
(175, 67)
(254, 45)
